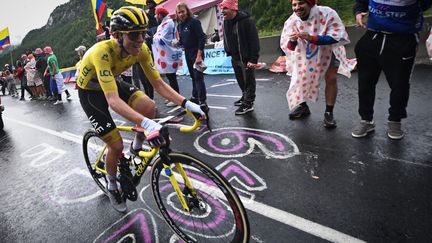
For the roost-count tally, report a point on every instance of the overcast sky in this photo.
(22, 16)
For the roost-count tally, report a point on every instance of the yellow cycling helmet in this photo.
(129, 18)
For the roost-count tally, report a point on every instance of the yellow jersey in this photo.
(102, 63)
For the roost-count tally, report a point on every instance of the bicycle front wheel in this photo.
(216, 212)
(94, 149)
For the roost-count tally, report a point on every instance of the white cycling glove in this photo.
(152, 129)
(190, 106)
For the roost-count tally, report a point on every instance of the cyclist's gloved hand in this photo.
(152, 129)
(190, 106)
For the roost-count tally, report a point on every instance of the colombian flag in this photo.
(4, 38)
(98, 7)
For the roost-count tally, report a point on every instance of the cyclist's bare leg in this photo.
(115, 149)
(146, 107)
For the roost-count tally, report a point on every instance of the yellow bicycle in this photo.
(196, 201)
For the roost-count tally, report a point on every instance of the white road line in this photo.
(224, 96)
(222, 84)
(292, 220)
(218, 107)
(174, 109)
(300, 223)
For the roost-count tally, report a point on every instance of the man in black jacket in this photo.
(242, 44)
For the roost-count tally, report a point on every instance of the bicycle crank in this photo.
(128, 188)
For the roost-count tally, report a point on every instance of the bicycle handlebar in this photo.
(195, 125)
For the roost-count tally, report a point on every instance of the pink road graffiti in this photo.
(243, 179)
(136, 226)
(217, 209)
(235, 142)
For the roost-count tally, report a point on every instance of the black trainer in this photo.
(300, 112)
(243, 109)
(238, 102)
(329, 121)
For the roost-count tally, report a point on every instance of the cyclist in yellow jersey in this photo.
(98, 89)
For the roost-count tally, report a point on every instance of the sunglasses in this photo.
(134, 35)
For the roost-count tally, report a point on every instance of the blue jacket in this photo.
(394, 16)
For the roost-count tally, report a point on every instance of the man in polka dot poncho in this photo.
(313, 39)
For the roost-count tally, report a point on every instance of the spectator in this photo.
(138, 75)
(242, 44)
(313, 39)
(33, 79)
(106, 30)
(7, 67)
(151, 14)
(389, 45)
(167, 56)
(80, 51)
(10, 81)
(2, 83)
(429, 44)
(192, 39)
(20, 75)
(54, 70)
(41, 64)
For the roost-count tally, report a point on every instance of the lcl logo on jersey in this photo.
(105, 57)
(104, 73)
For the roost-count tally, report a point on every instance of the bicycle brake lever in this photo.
(206, 110)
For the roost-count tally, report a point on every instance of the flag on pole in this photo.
(4, 38)
(98, 7)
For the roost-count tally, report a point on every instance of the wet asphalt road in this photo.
(301, 182)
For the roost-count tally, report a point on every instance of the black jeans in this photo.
(246, 81)
(172, 78)
(139, 76)
(24, 87)
(47, 85)
(394, 54)
(199, 91)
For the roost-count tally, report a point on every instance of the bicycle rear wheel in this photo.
(216, 214)
(93, 148)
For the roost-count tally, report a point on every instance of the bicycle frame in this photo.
(146, 157)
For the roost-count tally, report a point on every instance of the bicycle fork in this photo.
(174, 183)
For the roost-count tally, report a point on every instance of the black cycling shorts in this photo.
(95, 106)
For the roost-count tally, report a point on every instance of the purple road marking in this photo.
(144, 228)
(220, 211)
(219, 217)
(237, 170)
(240, 145)
(240, 135)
